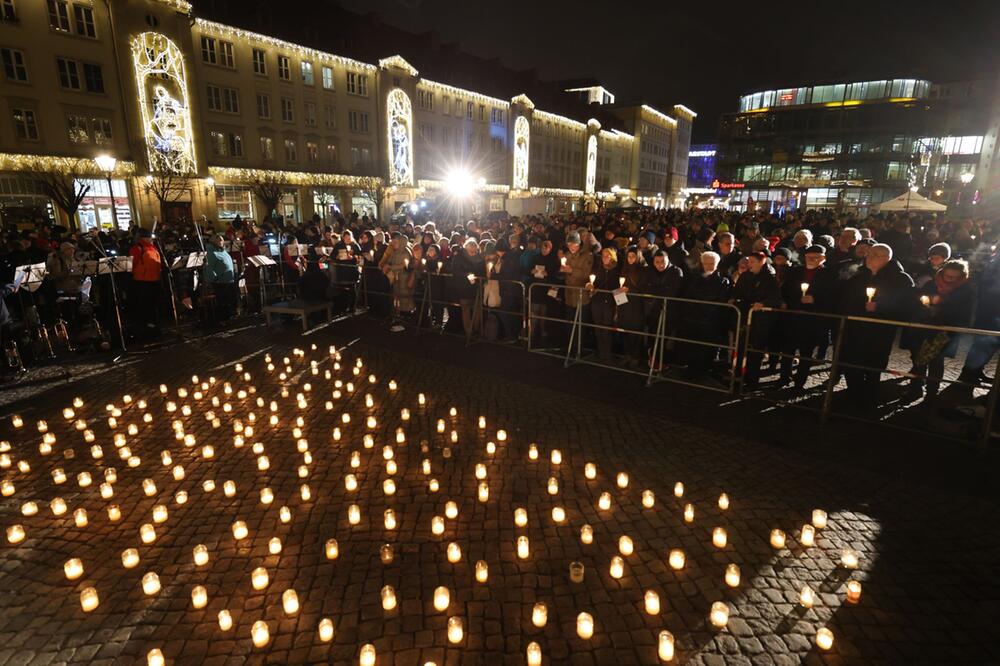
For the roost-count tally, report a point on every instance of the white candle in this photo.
(617, 568)
(824, 639)
(199, 596)
(719, 537)
(576, 572)
(558, 514)
(553, 485)
(523, 548)
(604, 501)
(532, 452)
(451, 510)
(539, 614)
(665, 646)
(259, 578)
(482, 571)
(777, 539)
(240, 530)
(147, 534)
(89, 599)
(442, 598)
(723, 501)
(625, 546)
(689, 513)
(648, 499)
(520, 517)
(260, 633)
(807, 597)
(676, 559)
(155, 658)
(534, 651)
(225, 620)
(290, 602)
(808, 536)
(719, 615)
(274, 545)
(150, 583)
(73, 568)
(732, 575)
(556, 457)
(870, 292)
(332, 549)
(367, 655)
(326, 630)
(354, 514)
(622, 479)
(454, 552)
(587, 534)
(652, 602)
(854, 591)
(590, 471)
(819, 518)
(389, 519)
(437, 525)
(456, 630)
(585, 625)
(130, 558)
(15, 533)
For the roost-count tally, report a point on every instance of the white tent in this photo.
(911, 201)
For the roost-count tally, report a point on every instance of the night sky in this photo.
(704, 54)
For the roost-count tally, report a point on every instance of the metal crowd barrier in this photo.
(660, 337)
(840, 330)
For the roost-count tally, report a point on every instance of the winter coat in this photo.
(582, 265)
(869, 344)
(462, 264)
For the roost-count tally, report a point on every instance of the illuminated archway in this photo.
(399, 121)
(591, 164)
(164, 104)
(522, 137)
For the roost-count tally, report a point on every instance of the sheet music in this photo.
(261, 261)
(195, 259)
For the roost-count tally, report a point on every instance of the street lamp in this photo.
(106, 163)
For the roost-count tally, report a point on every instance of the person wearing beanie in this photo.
(811, 287)
(937, 255)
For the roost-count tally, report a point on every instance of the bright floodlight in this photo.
(106, 163)
(459, 183)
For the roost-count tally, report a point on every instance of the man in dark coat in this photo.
(755, 290)
(664, 279)
(881, 290)
(808, 288)
(702, 322)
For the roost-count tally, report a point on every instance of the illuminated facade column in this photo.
(590, 155)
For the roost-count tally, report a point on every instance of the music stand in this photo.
(261, 262)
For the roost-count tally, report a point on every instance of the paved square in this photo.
(192, 468)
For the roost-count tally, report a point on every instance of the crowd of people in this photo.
(790, 277)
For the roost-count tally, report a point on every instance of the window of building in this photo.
(446, 105)
(312, 151)
(25, 125)
(896, 171)
(496, 116)
(235, 144)
(84, 18)
(291, 151)
(284, 68)
(331, 155)
(961, 145)
(209, 53)
(267, 147)
(288, 109)
(231, 100)
(59, 15)
(307, 73)
(458, 108)
(217, 141)
(233, 200)
(425, 100)
(263, 106)
(482, 113)
(226, 57)
(357, 84)
(76, 128)
(69, 74)
(330, 117)
(357, 121)
(328, 77)
(14, 68)
(93, 77)
(259, 62)
(309, 110)
(7, 13)
(361, 155)
(213, 97)
(468, 110)
(102, 131)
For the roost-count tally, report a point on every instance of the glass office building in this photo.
(850, 146)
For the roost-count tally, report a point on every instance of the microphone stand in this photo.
(114, 297)
(170, 277)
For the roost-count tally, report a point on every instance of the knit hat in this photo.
(940, 250)
(816, 249)
(573, 237)
(784, 252)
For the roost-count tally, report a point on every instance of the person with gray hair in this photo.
(880, 290)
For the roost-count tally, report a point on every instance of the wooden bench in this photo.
(299, 309)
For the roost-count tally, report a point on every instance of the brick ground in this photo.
(927, 556)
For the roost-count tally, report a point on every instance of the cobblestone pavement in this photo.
(926, 557)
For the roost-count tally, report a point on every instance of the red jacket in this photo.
(146, 263)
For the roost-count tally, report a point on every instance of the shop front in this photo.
(100, 205)
(23, 204)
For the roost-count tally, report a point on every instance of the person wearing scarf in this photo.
(945, 301)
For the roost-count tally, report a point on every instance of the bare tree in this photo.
(60, 186)
(268, 187)
(167, 186)
(375, 191)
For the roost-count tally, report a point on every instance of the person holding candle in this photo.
(948, 300)
(576, 271)
(808, 288)
(345, 258)
(756, 290)
(398, 265)
(704, 322)
(666, 280)
(467, 262)
(545, 268)
(602, 304)
(507, 270)
(631, 314)
(866, 346)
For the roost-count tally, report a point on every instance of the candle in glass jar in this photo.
(808, 536)
(482, 571)
(274, 545)
(130, 558)
(824, 639)
(326, 630)
(147, 534)
(617, 568)
(665, 646)
(719, 537)
(89, 599)
(678, 489)
(520, 517)
(290, 602)
(777, 539)
(553, 485)
(585, 625)
(558, 514)
(854, 591)
(225, 620)
(150, 583)
(199, 596)
(604, 501)
(532, 452)
(590, 470)
(648, 499)
(587, 534)
(723, 501)
(483, 492)
(719, 614)
(332, 549)
(367, 655)
(807, 597)
(259, 578)
(260, 633)
(534, 651)
(652, 602)
(523, 549)
(454, 552)
(676, 559)
(732, 575)
(556, 457)
(442, 598)
(240, 530)
(437, 525)
(849, 558)
(819, 518)
(456, 630)
(73, 568)
(390, 519)
(622, 479)
(354, 514)
(80, 517)
(539, 614)
(625, 545)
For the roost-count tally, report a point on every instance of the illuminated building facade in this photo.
(209, 119)
(850, 146)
